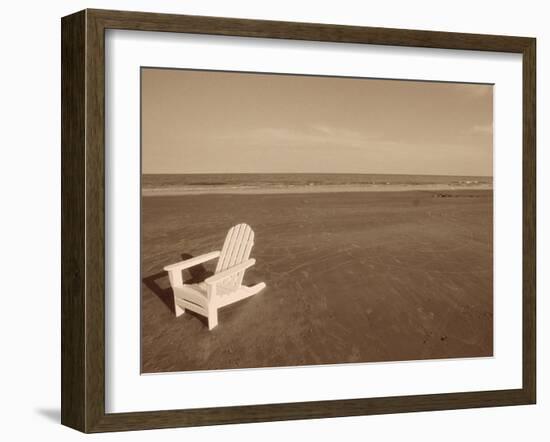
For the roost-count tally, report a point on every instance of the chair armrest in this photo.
(214, 279)
(182, 265)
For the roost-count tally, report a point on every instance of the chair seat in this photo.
(198, 293)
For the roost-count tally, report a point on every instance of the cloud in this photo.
(314, 134)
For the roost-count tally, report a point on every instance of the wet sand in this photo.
(351, 277)
(255, 190)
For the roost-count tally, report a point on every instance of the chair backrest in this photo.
(236, 249)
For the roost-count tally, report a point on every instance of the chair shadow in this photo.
(197, 274)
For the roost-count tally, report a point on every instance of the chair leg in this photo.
(212, 318)
(178, 310)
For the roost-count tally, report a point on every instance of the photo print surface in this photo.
(297, 220)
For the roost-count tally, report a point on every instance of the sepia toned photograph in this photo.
(301, 220)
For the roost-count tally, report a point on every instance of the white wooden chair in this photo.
(224, 287)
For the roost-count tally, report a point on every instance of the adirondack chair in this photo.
(225, 286)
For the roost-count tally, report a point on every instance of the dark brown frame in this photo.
(83, 216)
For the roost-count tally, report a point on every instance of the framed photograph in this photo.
(269, 220)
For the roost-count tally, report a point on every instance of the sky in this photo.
(229, 122)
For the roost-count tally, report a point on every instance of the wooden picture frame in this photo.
(83, 220)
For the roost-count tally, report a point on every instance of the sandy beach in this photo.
(351, 277)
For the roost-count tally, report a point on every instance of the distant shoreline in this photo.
(334, 188)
